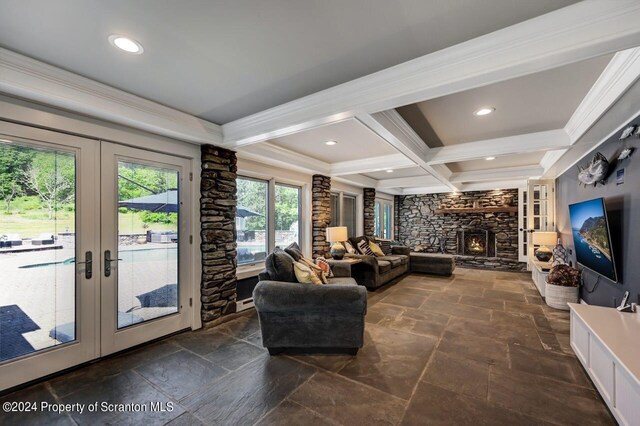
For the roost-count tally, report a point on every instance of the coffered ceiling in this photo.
(223, 60)
(395, 83)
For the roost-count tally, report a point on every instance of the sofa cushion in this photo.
(342, 281)
(294, 251)
(384, 265)
(395, 260)
(375, 248)
(279, 266)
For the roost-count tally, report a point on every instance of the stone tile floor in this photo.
(478, 348)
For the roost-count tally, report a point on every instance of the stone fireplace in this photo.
(479, 228)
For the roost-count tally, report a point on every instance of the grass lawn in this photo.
(33, 223)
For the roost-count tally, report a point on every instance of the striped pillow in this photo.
(385, 245)
(363, 246)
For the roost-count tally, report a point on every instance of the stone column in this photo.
(218, 204)
(369, 201)
(320, 214)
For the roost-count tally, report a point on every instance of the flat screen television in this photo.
(592, 238)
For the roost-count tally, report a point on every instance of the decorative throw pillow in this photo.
(375, 249)
(279, 266)
(349, 247)
(363, 246)
(305, 275)
(385, 245)
(324, 265)
(315, 269)
(294, 251)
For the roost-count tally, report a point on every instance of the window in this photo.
(349, 214)
(343, 212)
(335, 209)
(251, 220)
(383, 221)
(287, 215)
(386, 230)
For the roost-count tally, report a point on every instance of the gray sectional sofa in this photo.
(375, 271)
(294, 315)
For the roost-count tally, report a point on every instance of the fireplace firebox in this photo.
(476, 242)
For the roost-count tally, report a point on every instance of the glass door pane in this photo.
(37, 249)
(287, 215)
(147, 257)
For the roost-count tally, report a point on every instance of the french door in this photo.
(538, 212)
(144, 241)
(92, 250)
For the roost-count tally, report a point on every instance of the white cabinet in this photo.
(539, 272)
(607, 343)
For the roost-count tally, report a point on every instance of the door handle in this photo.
(88, 261)
(107, 263)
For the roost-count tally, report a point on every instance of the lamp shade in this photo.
(337, 233)
(545, 238)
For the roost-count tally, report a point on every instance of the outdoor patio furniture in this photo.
(13, 240)
(43, 239)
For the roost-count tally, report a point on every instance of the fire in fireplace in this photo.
(476, 242)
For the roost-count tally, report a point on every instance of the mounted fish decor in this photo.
(627, 132)
(625, 153)
(595, 172)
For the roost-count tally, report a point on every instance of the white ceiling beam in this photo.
(36, 81)
(433, 189)
(619, 75)
(281, 157)
(500, 174)
(486, 186)
(391, 127)
(372, 164)
(509, 145)
(407, 182)
(356, 180)
(622, 71)
(577, 32)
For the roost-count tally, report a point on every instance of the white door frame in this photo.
(87, 344)
(114, 340)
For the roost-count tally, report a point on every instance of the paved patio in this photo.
(478, 348)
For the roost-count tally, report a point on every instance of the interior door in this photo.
(540, 208)
(49, 230)
(145, 201)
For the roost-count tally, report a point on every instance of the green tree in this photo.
(14, 160)
(286, 207)
(252, 195)
(51, 176)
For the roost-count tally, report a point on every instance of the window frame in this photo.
(341, 222)
(245, 270)
(379, 210)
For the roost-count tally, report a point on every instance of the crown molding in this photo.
(622, 71)
(508, 145)
(574, 33)
(504, 184)
(36, 81)
(275, 155)
(499, 174)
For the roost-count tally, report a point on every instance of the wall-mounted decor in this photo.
(625, 153)
(595, 172)
(628, 131)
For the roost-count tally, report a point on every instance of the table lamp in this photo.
(336, 235)
(544, 240)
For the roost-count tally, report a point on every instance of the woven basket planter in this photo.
(558, 296)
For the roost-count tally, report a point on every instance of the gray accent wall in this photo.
(623, 210)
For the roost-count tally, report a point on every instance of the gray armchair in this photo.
(295, 315)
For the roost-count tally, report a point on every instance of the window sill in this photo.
(249, 271)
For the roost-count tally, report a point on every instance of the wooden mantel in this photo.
(458, 210)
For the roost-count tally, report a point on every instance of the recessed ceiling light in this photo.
(331, 143)
(390, 171)
(125, 43)
(490, 158)
(484, 111)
